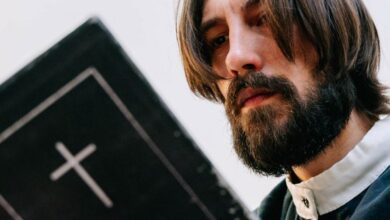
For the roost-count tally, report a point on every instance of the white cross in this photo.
(74, 162)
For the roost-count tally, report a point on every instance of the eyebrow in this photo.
(250, 4)
(210, 24)
(215, 21)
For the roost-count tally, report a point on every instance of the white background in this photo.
(146, 31)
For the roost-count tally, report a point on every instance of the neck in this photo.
(355, 129)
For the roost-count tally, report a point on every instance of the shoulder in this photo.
(376, 201)
(272, 206)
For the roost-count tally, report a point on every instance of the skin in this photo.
(240, 40)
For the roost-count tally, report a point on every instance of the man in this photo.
(298, 82)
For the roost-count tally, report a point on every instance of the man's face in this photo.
(274, 105)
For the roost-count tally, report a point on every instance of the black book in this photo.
(84, 136)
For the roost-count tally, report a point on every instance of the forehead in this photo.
(218, 8)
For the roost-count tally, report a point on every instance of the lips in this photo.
(250, 95)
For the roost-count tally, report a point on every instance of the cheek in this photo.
(303, 82)
(223, 86)
(218, 62)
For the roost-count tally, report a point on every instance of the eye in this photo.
(262, 19)
(218, 41)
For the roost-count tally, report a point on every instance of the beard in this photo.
(272, 138)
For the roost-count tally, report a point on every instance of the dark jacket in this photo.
(372, 204)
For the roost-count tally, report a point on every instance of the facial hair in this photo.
(291, 131)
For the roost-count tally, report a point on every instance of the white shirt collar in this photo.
(347, 178)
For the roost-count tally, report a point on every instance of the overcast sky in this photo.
(146, 30)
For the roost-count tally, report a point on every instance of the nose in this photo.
(243, 54)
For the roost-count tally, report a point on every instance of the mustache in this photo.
(258, 80)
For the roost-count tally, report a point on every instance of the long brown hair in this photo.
(342, 31)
